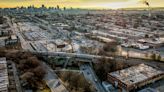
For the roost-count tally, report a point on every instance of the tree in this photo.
(26, 55)
(146, 36)
(136, 25)
(27, 76)
(64, 8)
(119, 65)
(39, 72)
(76, 82)
(58, 7)
(108, 49)
(32, 62)
(107, 65)
(29, 66)
(103, 67)
(21, 64)
(64, 76)
(159, 57)
(153, 56)
(2, 53)
(1, 20)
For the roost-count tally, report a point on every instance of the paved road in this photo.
(91, 76)
(68, 70)
(14, 28)
(17, 81)
(53, 81)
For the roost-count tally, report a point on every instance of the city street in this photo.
(91, 77)
(52, 80)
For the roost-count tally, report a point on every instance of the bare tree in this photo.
(39, 72)
(33, 62)
(27, 75)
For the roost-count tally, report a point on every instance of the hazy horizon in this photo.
(98, 4)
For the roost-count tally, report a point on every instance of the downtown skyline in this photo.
(99, 4)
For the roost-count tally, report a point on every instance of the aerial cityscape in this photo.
(81, 46)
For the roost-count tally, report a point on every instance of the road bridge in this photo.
(76, 56)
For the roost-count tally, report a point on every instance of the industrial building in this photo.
(135, 77)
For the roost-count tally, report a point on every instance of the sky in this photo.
(111, 4)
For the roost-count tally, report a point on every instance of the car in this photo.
(83, 68)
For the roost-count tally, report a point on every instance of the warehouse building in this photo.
(135, 77)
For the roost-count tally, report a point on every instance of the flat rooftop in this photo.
(3, 75)
(136, 75)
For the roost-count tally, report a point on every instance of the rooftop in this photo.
(136, 74)
(3, 75)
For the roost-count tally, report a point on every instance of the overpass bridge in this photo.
(71, 57)
(75, 56)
